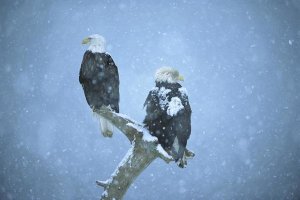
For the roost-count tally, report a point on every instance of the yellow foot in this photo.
(107, 134)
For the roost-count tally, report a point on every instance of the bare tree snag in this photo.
(144, 150)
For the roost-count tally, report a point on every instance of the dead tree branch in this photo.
(144, 150)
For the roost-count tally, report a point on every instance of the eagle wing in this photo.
(82, 77)
(113, 83)
(184, 120)
(153, 111)
(181, 124)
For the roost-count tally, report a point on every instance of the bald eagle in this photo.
(100, 79)
(168, 113)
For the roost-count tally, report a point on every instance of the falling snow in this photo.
(240, 60)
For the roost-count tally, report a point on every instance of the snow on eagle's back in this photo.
(183, 91)
(162, 93)
(174, 106)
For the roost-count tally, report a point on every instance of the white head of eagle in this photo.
(168, 74)
(97, 43)
(168, 113)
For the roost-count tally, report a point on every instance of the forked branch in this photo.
(144, 150)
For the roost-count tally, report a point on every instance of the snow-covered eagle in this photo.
(168, 113)
(100, 79)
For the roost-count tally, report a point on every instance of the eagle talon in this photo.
(182, 163)
(108, 134)
(188, 153)
(110, 108)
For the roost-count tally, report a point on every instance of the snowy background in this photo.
(240, 60)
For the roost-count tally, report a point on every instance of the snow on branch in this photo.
(122, 123)
(145, 149)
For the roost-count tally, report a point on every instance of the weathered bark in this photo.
(143, 151)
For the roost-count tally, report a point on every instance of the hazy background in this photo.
(240, 60)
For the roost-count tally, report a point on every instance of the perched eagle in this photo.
(168, 113)
(100, 79)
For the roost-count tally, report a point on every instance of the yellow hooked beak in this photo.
(85, 41)
(180, 78)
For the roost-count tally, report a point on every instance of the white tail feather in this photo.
(106, 127)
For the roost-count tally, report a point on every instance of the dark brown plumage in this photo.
(100, 80)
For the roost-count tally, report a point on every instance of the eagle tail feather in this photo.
(178, 152)
(106, 127)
